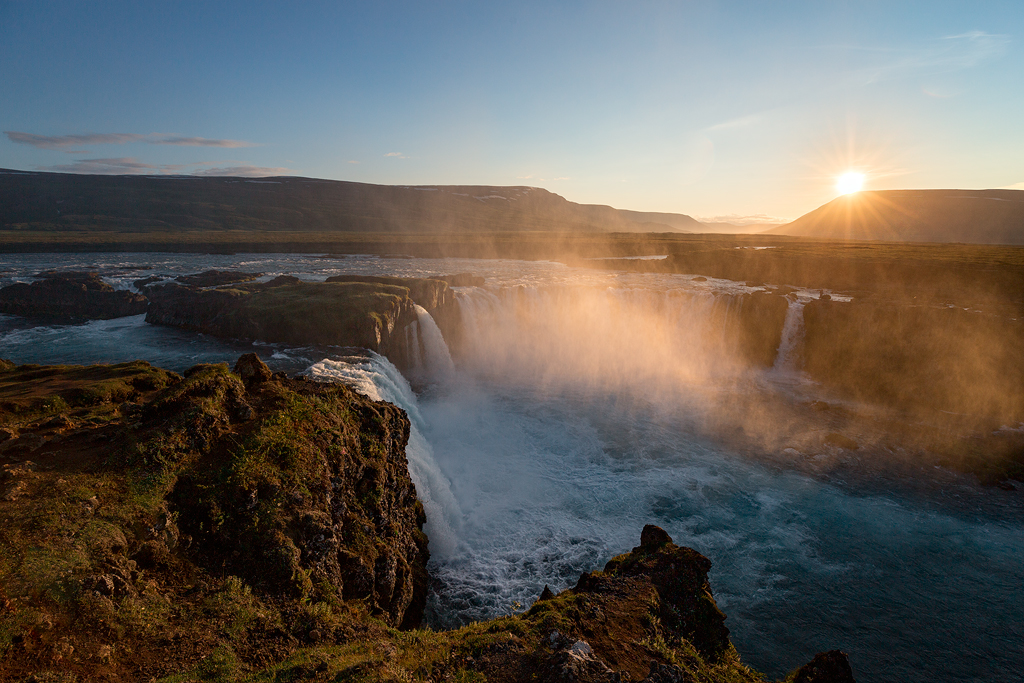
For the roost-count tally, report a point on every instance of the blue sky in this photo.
(705, 108)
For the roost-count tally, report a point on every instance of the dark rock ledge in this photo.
(70, 296)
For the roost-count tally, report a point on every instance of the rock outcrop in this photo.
(339, 314)
(130, 490)
(826, 667)
(70, 296)
(216, 278)
(434, 294)
(315, 496)
(431, 294)
(362, 311)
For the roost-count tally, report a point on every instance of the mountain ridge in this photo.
(970, 216)
(135, 203)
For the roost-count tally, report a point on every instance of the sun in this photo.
(850, 182)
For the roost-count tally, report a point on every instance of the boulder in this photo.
(653, 536)
(251, 369)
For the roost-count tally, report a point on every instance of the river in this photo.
(583, 404)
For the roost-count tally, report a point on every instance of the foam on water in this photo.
(552, 486)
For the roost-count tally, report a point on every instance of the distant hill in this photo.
(969, 216)
(737, 228)
(69, 202)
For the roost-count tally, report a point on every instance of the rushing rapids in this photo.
(577, 406)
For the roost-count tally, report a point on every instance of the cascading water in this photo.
(570, 423)
(792, 333)
(432, 358)
(652, 340)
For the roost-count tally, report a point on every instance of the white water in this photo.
(571, 420)
(375, 377)
(435, 362)
(792, 335)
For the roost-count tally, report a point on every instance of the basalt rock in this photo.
(433, 294)
(340, 314)
(463, 280)
(310, 496)
(215, 278)
(366, 312)
(755, 323)
(70, 296)
(252, 370)
(826, 667)
(680, 577)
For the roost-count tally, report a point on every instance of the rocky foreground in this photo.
(243, 525)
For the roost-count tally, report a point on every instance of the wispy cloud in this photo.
(64, 143)
(742, 122)
(396, 155)
(119, 166)
(352, 161)
(200, 142)
(947, 54)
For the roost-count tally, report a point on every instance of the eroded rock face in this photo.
(680, 577)
(307, 492)
(434, 294)
(70, 296)
(353, 314)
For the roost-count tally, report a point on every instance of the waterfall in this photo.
(373, 376)
(431, 357)
(604, 337)
(412, 343)
(792, 332)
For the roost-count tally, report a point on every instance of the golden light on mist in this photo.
(850, 182)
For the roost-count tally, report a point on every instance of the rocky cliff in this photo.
(242, 525)
(141, 509)
(286, 310)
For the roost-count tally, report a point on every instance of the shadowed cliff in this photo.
(56, 201)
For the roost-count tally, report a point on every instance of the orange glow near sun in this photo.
(850, 182)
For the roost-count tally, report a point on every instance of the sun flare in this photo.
(850, 182)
